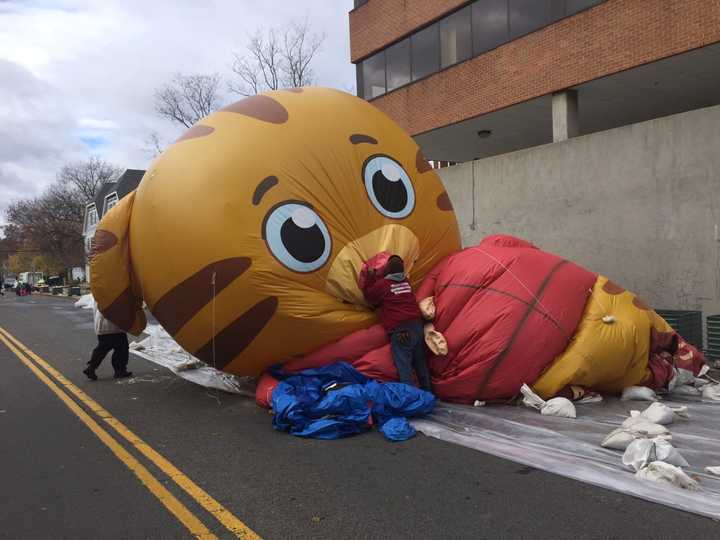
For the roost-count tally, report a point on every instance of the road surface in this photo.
(157, 457)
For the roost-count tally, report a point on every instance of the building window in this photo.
(455, 38)
(92, 218)
(472, 30)
(425, 52)
(110, 201)
(528, 15)
(489, 25)
(575, 6)
(398, 64)
(374, 76)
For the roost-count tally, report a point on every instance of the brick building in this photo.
(475, 79)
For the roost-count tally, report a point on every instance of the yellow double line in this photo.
(177, 508)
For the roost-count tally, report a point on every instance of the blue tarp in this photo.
(336, 401)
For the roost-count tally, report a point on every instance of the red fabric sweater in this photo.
(395, 300)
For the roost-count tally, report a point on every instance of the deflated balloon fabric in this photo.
(335, 401)
(510, 314)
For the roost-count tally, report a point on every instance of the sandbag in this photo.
(659, 413)
(559, 406)
(659, 471)
(638, 424)
(620, 438)
(711, 391)
(641, 452)
(686, 391)
(638, 393)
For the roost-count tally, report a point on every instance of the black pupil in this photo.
(392, 196)
(306, 245)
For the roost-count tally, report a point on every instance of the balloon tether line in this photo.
(214, 364)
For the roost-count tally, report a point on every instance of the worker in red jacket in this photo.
(400, 315)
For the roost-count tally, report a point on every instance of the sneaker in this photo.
(123, 375)
(90, 374)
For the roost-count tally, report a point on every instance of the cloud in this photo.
(78, 76)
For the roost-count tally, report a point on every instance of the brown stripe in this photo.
(421, 164)
(122, 311)
(198, 130)
(263, 108)
(102, 241)
(444, 203)
(235, 338)
(183, 301)
(262, 188)
(612, 288)
(359, 138)
(508, 346)
(641, 304)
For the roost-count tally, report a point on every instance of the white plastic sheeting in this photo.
(571, 447)
(160, 348)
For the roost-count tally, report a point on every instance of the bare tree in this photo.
(188, 98)
(276, 58)
(153, 145)
(85, 177)
(298, 51)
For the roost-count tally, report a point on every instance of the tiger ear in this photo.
(113, 285)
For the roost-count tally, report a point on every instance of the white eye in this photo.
(391, 171)
(304, 218)
(297, 236)
(389, 187)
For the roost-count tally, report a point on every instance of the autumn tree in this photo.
(51, 226)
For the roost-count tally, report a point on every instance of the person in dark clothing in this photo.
(400, 315)
(110, 338)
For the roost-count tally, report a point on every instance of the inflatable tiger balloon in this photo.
(246, 236)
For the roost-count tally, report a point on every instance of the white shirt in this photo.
(103, 325)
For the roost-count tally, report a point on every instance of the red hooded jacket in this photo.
(395, 300)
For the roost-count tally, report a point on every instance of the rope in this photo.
(216, 396)
(539, 302)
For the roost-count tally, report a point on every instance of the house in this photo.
(106, 197)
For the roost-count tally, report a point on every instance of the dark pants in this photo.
(118, 344)
(410, 354)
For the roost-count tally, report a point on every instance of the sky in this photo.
(77, 77)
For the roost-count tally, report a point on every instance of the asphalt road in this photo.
(58, 480)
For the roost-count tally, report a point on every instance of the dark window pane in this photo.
(573, 6)
(490, 24)
(557, 10)
(455, 42)
(359, 86)
(425, 52)
(528, 15)
(374, 76)
(398, 64)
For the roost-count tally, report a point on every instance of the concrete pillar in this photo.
(565, 115)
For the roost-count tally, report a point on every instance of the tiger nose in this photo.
(342, 278)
